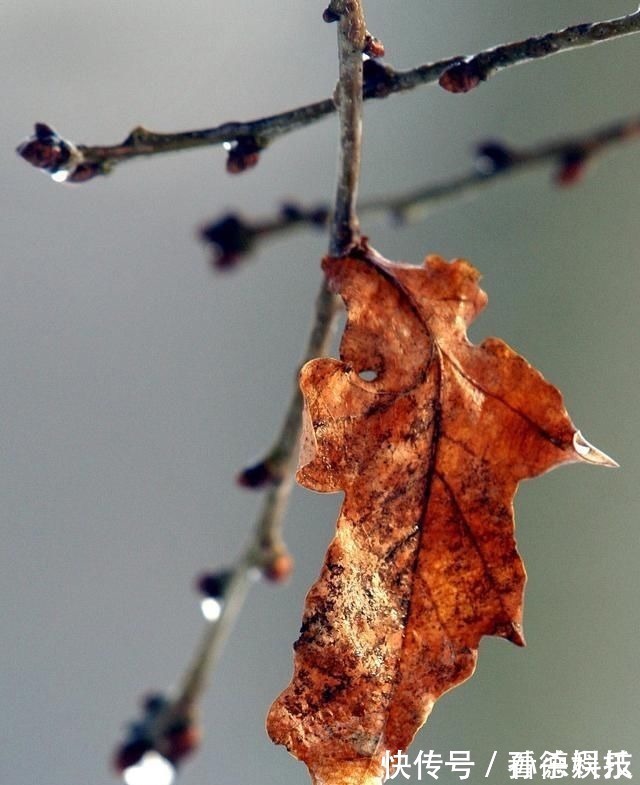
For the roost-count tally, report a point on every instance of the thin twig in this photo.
(351, 42)
(234, 238)
(478, 68)
(266, 542)
(48, 151)
(571, 156)
(264, 548)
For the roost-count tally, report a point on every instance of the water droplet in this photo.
(152, 769)
(60, 175)
(368, 375)
(228, 146)
(211, 609)
(591, 454)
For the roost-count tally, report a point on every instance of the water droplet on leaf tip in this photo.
(228, 146)
(592, 454)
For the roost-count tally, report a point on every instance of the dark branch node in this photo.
(154, 702)
(231, 237)
(329, 15)
(258, 475)
(293, 213)
(166, 727)
(493, 156)
(214, 584)
(377, 79)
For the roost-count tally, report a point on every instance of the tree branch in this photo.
(351, 43)
(244, 140)
(265, 552)
(467, 75)
(233, 238)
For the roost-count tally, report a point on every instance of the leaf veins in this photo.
(428, 436)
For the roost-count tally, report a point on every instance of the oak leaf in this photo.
(428, 435)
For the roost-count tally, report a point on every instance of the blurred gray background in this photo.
(135, 383)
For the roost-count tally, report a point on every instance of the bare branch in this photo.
(267, 545)
(244, 140)
(467, 75)
(233, 238)
(265, 553)
(352, 34)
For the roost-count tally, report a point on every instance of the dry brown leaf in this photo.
(424, 562)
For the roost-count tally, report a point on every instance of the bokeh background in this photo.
(135, 383)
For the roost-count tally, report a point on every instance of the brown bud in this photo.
(244, 155)
(462, 78)
(45, 149)
(373, 47)
(570, 174)
(237, 163)
(258, 475)
(572, 168)
(329, 16)
(129, 754)
(181, 741)
(279, 568)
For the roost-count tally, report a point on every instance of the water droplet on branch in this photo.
(152, 769)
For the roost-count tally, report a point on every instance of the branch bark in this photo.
(495, 161)
(77, 163)
(351, 43)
